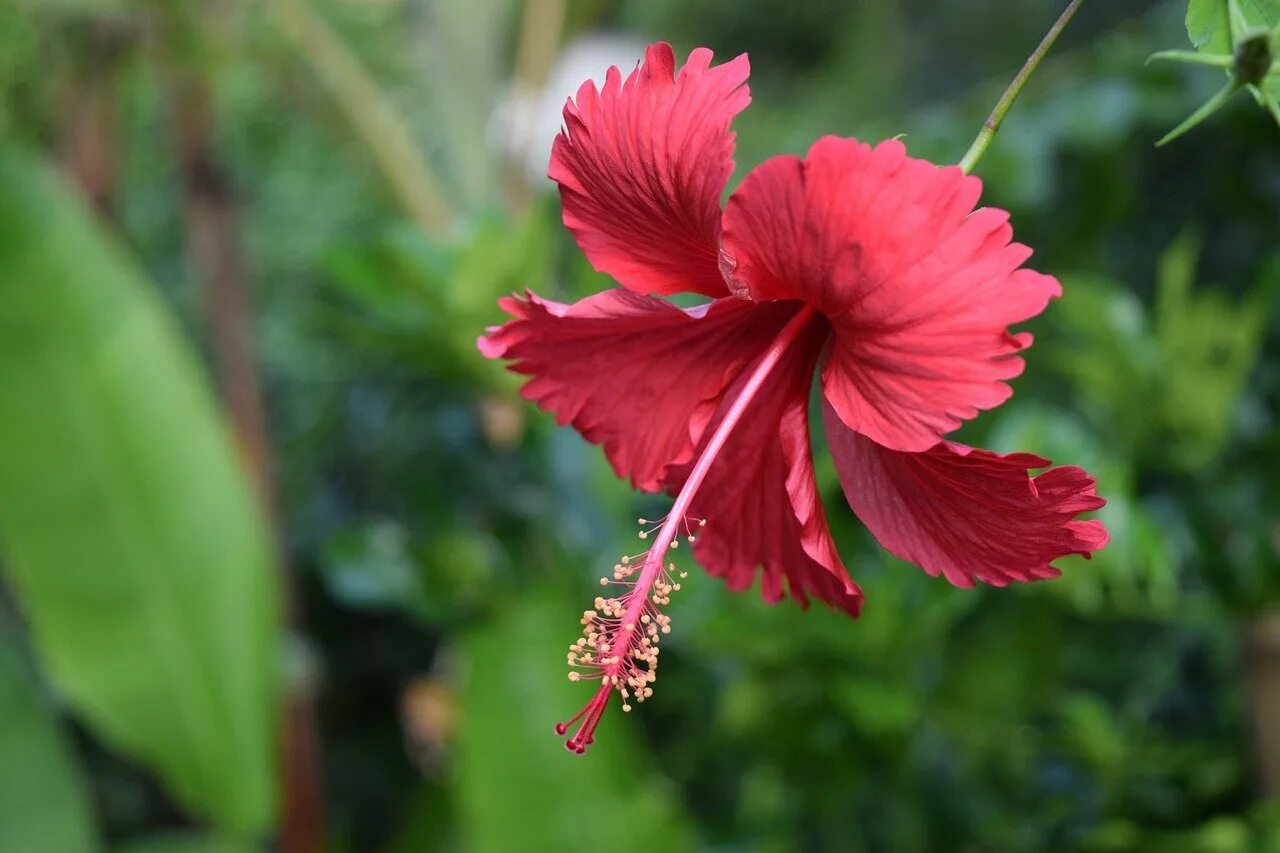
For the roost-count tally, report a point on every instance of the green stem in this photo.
(1237, 23)
(992, 124)
(1213, 60)
(370, 113)
(1206, 109)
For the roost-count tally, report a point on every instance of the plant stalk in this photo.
(212, 237)
(1261, 657)
(370, 113)
(993, 122)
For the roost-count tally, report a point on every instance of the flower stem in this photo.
(992, 124)
(617, 653)
(1205, 110)
(671, 528)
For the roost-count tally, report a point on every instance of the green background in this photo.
(397, 551)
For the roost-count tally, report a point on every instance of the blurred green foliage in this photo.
(444, 535)
(1241, 37)
(46, 806)
(131, 534)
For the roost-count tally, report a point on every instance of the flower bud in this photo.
(1253, 56)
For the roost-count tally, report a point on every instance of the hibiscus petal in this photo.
(642, 165)
(964, 513)
(920, 288)
(760, 497)
(633, 373)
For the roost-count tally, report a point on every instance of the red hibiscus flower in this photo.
(861, 262)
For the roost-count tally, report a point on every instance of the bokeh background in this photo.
(287, 564)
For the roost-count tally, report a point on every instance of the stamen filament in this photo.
(628, 628)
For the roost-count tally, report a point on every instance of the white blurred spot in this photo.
(525, 122)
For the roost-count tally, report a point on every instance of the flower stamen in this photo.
(620, 638)
(621, 635)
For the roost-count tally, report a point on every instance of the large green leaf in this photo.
(128, 527)
(43, 803)
(1209, 21)
(518, 787)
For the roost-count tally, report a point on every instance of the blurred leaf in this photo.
(427, 301)
(1094, 734)
(1209, 21)
(428, 822)
(130, 533)
(1109, 354)
(43, 802)
(880, 708)
(518, 787)
(76, 7)
(372, 117)
(442, 580)
(1165, 382)
(1210, 345)
(371, 567)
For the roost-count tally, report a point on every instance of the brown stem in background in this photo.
(212, 236)
(1260, 644)
(87, 115)
(541, 29)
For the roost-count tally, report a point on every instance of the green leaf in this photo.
(1208, 108)
(1242, 36)
(379, 566)
(129, 530)
(1209, 21)
(514, 774)
(428, 299)
(44, 805)
(1191, 57)
(1167, 381)
(1210, 345)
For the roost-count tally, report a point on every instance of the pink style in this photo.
(860, 262)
